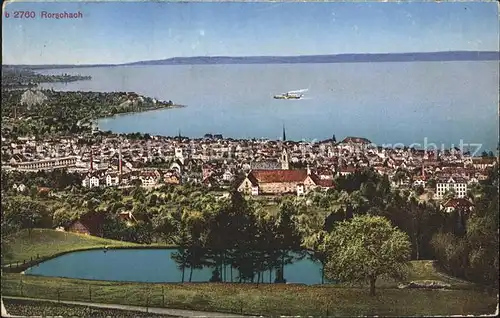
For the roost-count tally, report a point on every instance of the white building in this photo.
(112, 180)
(458, 185)
(179, 154)
(19, 188)
(300, 189)
(419, 183)
(90, 181)
(227, 176)
(149, 178)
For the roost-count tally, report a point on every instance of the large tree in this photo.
(366, 248)
(22, 213)
(288, 240)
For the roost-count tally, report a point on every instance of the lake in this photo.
(388, 103)
(153, 266)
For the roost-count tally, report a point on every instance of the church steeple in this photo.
(284, 159)
(284, 153)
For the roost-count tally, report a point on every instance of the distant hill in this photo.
(334, 58)
(338, 58)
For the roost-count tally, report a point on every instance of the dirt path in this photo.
(164, 311)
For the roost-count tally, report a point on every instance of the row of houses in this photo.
(451, 169)
(147, 178)
(351, 150)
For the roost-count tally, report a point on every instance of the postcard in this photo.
(230, 159)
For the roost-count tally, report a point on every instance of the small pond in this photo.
(154, 266)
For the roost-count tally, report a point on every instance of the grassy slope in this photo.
(43, 242)
(425, 270)
(267, 299)
(263, 299)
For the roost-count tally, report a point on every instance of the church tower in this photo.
(284, 152)
(284, 159)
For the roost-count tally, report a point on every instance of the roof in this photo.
(148, 174)
(273, 176)
(324, 171)
(265, 165)
(126, 216)
(458, 202)
(356, 140)
(483, 160)
(209, 180)
(325, 183)
(347, 169)
(92, 221)
(451, 179)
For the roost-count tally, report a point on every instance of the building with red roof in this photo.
(89, 224)
(282, 181)
(460, 204)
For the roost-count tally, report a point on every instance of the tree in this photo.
(419, 190)
(369, 190)
(140, 211)
(318, 249)
(400, 175)
(287, 235)
(431, 183)
(7, 229)
(365, 248)
(193, 223)
(164, 225)
(474, 256)
(449, 194)
(183, 240)
(450, 252)
(138, 193)
(483, 242)
(63, 216)
(347, 204)
(136, 182)
(23, 213)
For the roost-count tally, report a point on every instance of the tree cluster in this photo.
(67, 112)
(255, 236)
(471, 251)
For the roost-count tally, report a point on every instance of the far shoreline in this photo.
(142, 111)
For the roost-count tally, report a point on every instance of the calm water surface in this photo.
(388, 103)
(151, 265)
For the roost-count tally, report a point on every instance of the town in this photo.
(259, 159)
(258, 167)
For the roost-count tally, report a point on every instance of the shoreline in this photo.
(21, 267)
(142, 111)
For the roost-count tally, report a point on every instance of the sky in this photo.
(121, 32)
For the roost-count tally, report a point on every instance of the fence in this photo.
(19, 266)
(156, 296)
